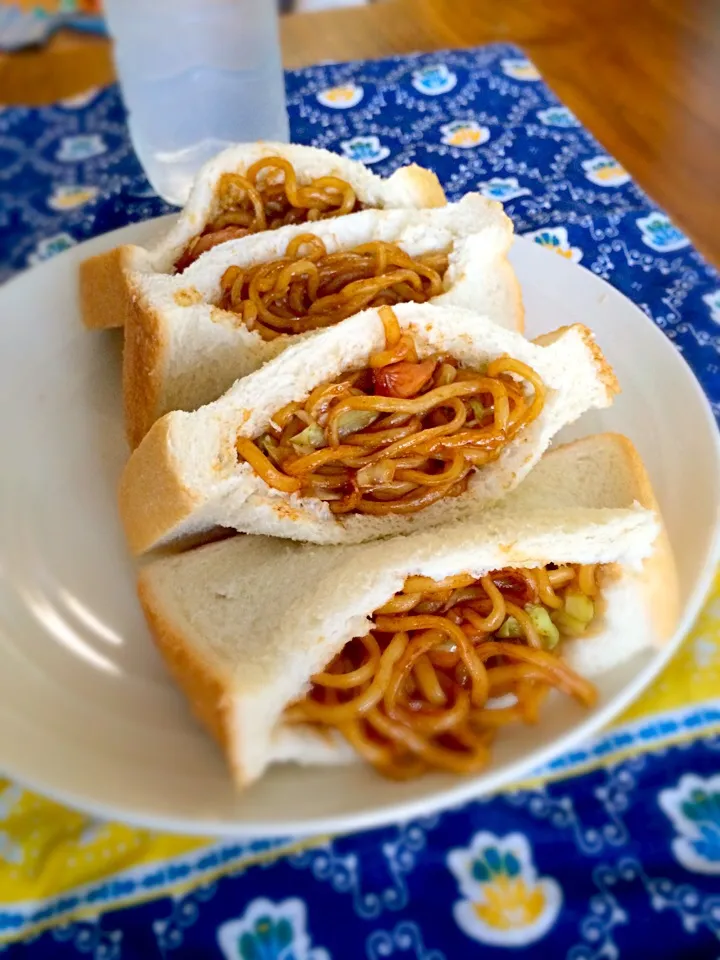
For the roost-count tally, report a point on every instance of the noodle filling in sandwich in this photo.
(266, 197)
(448, 663)
(412, 652)
(310, 288)
(397, 435)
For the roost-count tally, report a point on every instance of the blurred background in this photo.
(26, 21)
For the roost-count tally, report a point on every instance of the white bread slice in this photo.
(181, 351)
(606, 471)
(104, 293)
(245, 622)
(184, 478)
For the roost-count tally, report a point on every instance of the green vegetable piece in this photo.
(269, 447)
(568, 626)
(579, 606)
(351, 421)
(312, 436)
(549, 633)
(478, 408)
(510, 628)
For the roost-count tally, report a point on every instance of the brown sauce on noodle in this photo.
(400, 434)
(412, 694)
(266, 197)
(310, 288)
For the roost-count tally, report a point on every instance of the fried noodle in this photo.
(398, 435)
(268, 196)
(415, 694)
(309, 288)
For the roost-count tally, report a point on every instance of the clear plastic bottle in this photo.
(196, 75)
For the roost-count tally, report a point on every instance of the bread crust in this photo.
(425, 184)
(513, 285)
(105, 295)
(144, 360)
(605, 372)
(211, 694)
(659, 578)
(206, 687)
(153, 468)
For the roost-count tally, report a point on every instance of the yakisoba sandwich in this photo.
(190, 336)
(246, 189)
(415, 654)
(394, 419)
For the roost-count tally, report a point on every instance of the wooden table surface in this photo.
(642, 75)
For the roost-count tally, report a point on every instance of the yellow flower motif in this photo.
(519, 69)
(556, 239)
(605, 171)
(340, 94)
(504, 901)
(565, 252)
(466, 137)
(464, 134)
(510, 904)
(269, 931)
(610, 173)
(66, 197)
(341, 97)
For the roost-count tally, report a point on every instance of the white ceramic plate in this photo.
(87, 714)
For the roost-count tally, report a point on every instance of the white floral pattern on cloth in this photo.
(171, 929)
(434, 79)
(693, 806)
(713, 302)
(405, 941)
(556, 239)
(505, 902)
(400, 853)
(91, 939)
(605, 171)
(557, 117)
(50, 247)
(365, 149)
(502, 189)
(520, 68)
(661, 234)
(269, 931)
(613, 910)
(81, 147)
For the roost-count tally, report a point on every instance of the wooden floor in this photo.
(642, 75)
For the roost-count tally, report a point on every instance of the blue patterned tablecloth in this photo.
(619, 862)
